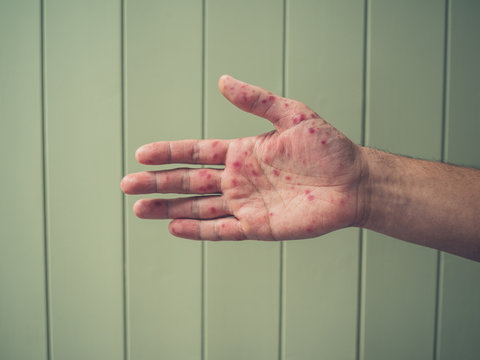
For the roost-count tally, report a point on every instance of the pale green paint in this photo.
(163, 101)
(83, 166)
(244, 300)
(23, 326)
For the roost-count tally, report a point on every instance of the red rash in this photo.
(311, 197)
(236, 164)
(234, 182)
(213, 210)
(311, 130)
(323, 142)
(254, 173)
(288, 178)
(276, 172)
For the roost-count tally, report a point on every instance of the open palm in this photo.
(296, 182)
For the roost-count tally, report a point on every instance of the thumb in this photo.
(283, 113)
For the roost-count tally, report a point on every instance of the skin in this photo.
(302, 180)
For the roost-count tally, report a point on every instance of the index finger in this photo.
(209, 152)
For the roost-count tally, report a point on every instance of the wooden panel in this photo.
(404, 115)
(324, 64)
(243, 39)
(163, 58)
(23, 328)
(459, 315)
(83, 141)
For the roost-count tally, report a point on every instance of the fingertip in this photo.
(139, 208)
(127, 184)
(139, 154)
(221, 82)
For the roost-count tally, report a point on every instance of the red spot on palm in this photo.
(276, 172)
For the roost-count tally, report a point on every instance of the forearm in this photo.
(426, 203)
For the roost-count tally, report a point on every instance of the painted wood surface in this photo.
(23, 317)
(83, 163)
(83, 84)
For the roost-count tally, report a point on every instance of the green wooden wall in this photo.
(84, 83)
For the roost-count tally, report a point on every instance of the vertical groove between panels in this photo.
(123, 168)
(361, 246)
(203, 250)
(282, 253)
(444, 149)
(44, 180)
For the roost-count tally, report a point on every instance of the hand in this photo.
(299, 181)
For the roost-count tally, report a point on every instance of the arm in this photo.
(426, 203)
(303, 180)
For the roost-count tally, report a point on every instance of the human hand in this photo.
(300, 181)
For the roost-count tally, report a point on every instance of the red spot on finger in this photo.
(213, 210)
(286, 105)
(309, 230)
(223, 225)
(236, 164)
(234, 182)
(243, 86)
(215, 143)
(307, 192)
(311, 130)
(271, 98)
(264, 101)
(271, 214)
(254, 173)
(311, 197)
(288, 178)
(302, 117)
(209, 176)
(323, 142)
(202, 189)
(276, 172)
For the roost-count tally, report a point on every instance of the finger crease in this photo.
(254, 104)
(195, 209)
(156, 182)
(196, 152)
(169, 153)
